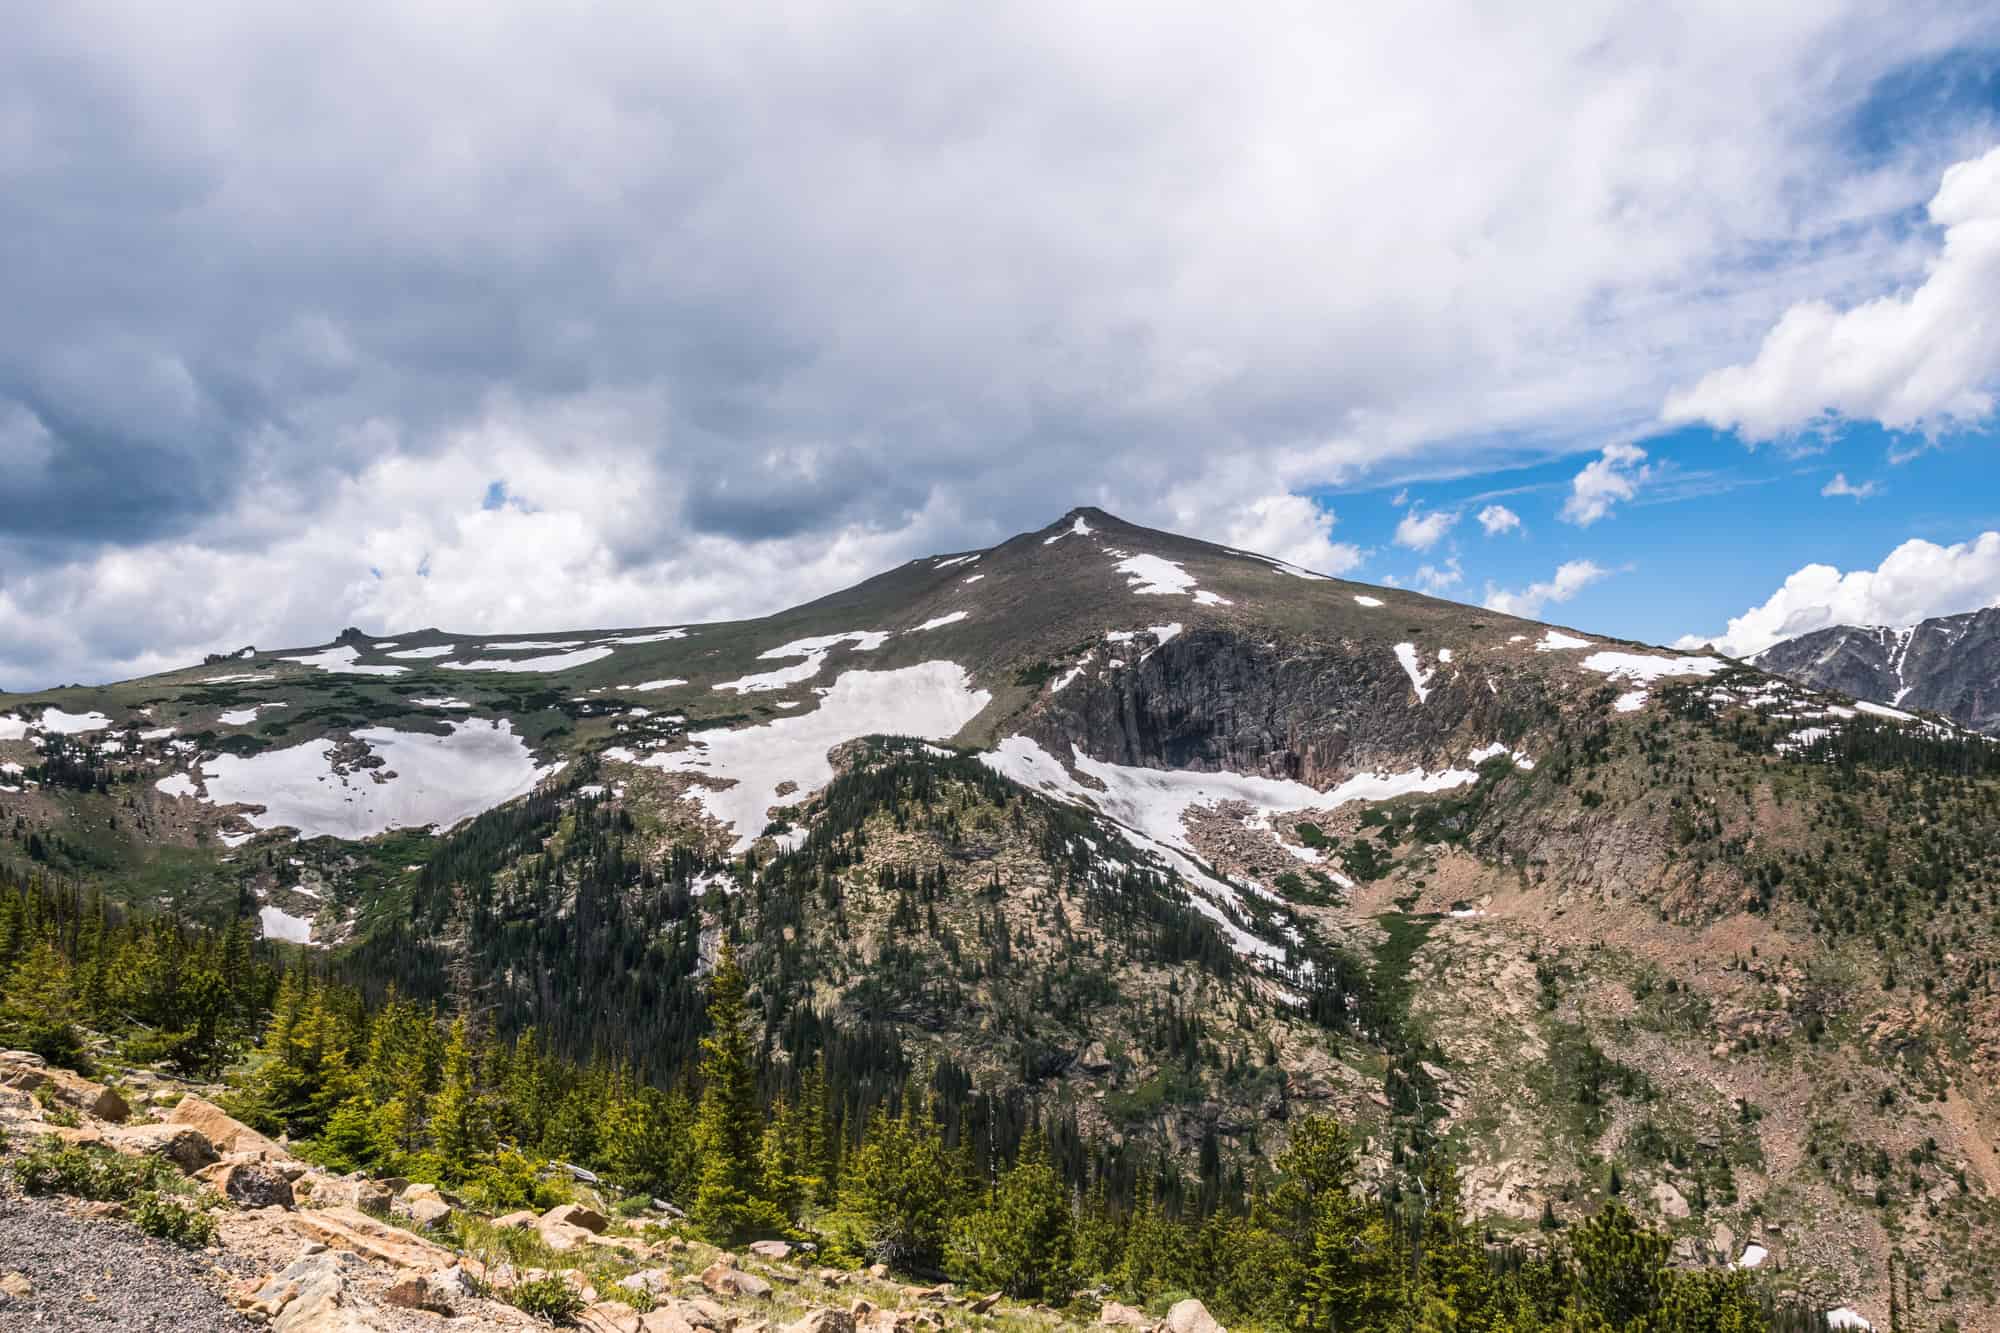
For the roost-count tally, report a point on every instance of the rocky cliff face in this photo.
(1950, 665)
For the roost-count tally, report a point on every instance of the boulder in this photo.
(1669, 1201)
(251, 1184)
(703, 1313)
(1191, 1316)
(561, 1236)
(984, 1303)
(725, 1279)
(609, 1317)
(356, 1192)
(823, 1320)
(776, 1250)
(422, 1291)
(1114, 1315)
(427, 1212)
(183, 1145)
(308, 1297)
(358, 1233)
(228, 1134)
(576, 1215)
(28, 1072)
(515, 1221)
(666, 1319)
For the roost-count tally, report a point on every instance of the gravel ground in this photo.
(91, 1274)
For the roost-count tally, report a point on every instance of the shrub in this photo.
(91, 1173)
(551, 1298)
(177, 1220)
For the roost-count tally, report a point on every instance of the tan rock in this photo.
(824, 1320)
(251, 1184)
(984, 1303)
(354, 1192)
(1114, 1315)
(725, 1279)
(17, 1285)
(576, 1215)
(421, 1291)
(515, 1221)
(832, 1277)
(429, 1212)
(562, 1237)
(27, 1072)
(227, 1133)
(666, 1319)
(609, 1317)
(1191, 1316)
(1669, 1201)
(183, 1145)
(357, 1232)
(703, 1313)
(775, 1250)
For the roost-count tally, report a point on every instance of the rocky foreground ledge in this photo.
(298, 1249)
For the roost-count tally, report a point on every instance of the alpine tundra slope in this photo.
(1605, 917)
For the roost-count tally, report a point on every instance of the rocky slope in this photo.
(1180, 840)
(1948, 665)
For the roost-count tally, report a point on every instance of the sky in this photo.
(1673, 322)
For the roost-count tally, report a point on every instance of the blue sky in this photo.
(1713, 533)
(637, 314)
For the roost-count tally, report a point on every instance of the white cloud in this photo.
(1289, 527)
(1840, 485)
(1571, 577)
(1917, 580)
(774, 305)
(1920, 359)
(1434, 579)
(1497, 519)
(1616, 474)
(1420, 531)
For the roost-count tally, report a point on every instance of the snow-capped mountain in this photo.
(1948, 665)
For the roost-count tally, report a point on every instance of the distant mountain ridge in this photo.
(1948, 664)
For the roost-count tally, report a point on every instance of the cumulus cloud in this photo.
(1289, 527)
(1916, 581)
(1497, 519)
(1571, 577)
(837, 290)
(1616, 474)
(1438, 579)
(1840, 485)
(1920, 359)
(1420, 531)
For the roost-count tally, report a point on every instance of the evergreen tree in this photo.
(1019, 1239)
(728, 1201)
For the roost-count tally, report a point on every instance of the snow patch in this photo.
(1630, 702)
(1420, 680)
(814, 652)
(438, 650)
(439, 780)
(952, 560)
(645, 685)
(1642, 669)
(1753, 1255)
(932, 700)
(658, 636)
(530, 645)
(1883, 710)
(1076, 529)
(1165, 634)
(1367, 601)
(1151, 575)
(177, 784)
(1203, 597)
(552, 662)
(440, 702)
(1846, 1317)
(941, 621)
(1556, 641)
(1495, 750)
(972, 578)
(341, 658)
(280, 925)
(243, 717)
